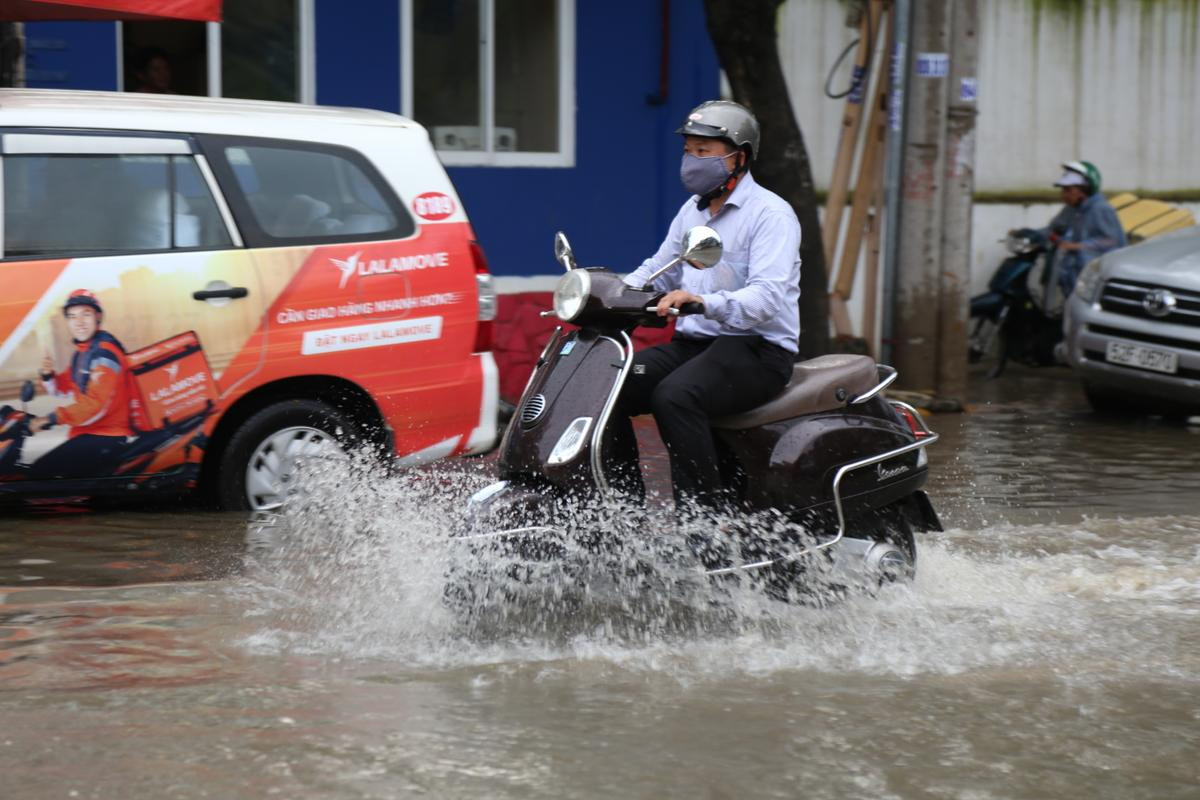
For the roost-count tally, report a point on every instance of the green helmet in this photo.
(1089, 172)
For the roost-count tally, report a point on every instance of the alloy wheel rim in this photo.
(272, 469)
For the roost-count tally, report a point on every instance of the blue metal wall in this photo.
(617, 200)
(358, 54)
(616, 203)
(71, 55)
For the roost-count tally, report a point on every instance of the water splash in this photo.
(358, 568)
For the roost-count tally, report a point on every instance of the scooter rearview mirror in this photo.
(563, 253)
(702, 247)
(26, 391)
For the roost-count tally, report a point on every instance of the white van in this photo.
(197, 293)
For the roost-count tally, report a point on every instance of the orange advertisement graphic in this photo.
(140, 388)
(22, 288)
(146, 298)
(173, 380)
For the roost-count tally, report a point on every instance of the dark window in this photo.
(259, 53)
(293, 193)
(100, 204)
(451, 49)
(258, 50)
(165, 57)
(446, 52)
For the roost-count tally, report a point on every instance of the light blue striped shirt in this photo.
(755, 287)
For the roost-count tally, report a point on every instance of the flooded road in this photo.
(1049, 647)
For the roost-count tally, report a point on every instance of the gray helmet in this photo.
(723, 119)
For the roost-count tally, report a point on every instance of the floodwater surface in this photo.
(1049, 646)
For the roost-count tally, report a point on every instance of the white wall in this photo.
(1116, 82)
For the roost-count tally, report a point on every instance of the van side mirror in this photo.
(26, 391)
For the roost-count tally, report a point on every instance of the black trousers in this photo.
(85, 456)
(684, 384)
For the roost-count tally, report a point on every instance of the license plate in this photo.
(1135, 355)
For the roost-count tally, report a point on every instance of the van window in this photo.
(312, 195)
(62, 205)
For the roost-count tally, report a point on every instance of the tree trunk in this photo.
(745, 36)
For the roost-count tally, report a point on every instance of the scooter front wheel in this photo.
(988, 343)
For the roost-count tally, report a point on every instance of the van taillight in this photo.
(918, 429)
(487, 299)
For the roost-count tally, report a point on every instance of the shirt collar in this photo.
(741, 192)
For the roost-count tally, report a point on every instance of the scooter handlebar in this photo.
(683, 310)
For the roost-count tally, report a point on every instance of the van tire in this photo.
(308, 423)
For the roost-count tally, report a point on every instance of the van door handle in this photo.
(231, 293)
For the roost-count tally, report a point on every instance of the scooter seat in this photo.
(823, 383)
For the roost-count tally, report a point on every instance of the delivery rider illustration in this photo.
(100, 390)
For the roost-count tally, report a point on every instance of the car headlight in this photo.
(571, 293)
(1088, 283)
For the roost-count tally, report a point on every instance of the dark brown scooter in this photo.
(831, 455)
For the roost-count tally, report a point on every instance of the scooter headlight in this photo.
(571, 441)
(571, 294)
(1088, 283)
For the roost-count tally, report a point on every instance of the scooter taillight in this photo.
(487, 299)
(917, 428)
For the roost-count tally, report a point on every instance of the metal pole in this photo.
(917, 276)
(951, 386)
(894, 169)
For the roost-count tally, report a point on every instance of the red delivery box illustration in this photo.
(173, 380)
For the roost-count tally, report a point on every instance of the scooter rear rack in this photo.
(925, 438)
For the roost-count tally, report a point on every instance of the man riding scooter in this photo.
(98, 381)
(1019, 317)
(739, 353)
(1088, 224)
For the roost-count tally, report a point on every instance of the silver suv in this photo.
(1133, 327)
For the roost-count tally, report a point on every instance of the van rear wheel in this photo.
(259, 468)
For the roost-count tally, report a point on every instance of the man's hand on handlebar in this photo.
(673, 301)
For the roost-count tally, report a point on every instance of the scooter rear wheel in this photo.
(888, 527)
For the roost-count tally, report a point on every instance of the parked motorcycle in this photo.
(139, 456)
(834, 460)
(1019, 317)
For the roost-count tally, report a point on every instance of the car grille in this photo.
(533, 409)
(1132, 298)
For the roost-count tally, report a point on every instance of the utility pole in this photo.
(894, 170)
(951, 383)
(918, 281)
(12, 54)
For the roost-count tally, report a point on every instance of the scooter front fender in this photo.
(507, 505)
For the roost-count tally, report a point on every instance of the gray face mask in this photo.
(702, 174)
